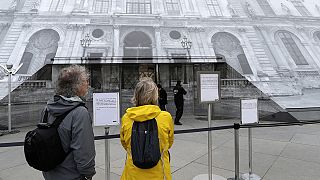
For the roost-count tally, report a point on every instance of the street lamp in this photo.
(85, 42)
(9, 72)
(186, 44)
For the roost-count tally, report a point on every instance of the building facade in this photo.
(275, 44)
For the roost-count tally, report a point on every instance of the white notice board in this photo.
(209, 87)
(249, 111)
(106, 109)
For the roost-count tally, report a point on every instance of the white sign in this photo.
(209, 87)
(106, 109)
(249, 111)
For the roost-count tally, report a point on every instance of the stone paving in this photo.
(279, 153)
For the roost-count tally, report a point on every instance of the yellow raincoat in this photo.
(165, 134)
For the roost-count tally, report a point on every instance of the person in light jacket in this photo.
(145, 102)
(75, 130)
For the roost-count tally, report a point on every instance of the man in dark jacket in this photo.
(162, 98)
(75, 130)
(178, 92)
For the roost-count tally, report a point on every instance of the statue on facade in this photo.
(232, 10)
(285, 9)
(317, 8)
(13, 5)
(250, 10)
(35, 5)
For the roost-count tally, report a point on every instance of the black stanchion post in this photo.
(236, 153)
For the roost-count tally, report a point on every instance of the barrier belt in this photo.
(115, 136)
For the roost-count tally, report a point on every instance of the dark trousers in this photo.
(179, 112)
(162, 107)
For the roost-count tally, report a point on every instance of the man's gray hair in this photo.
(70, 80)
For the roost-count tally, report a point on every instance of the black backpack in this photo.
(42, 146)
(145, 148)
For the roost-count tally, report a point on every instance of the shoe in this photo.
(178, 123)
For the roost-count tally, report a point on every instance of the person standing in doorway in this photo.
(178, 92)
(162, 98)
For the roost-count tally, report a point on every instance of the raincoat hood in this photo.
(60, 104)
(143, 113)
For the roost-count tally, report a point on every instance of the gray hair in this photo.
(145, 93)
(70, 80)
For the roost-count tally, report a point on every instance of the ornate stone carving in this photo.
(196, 29)
(35, 5)
(232, 11)
(286, 10)
(26, 25)
(250, 10)
(13, 5)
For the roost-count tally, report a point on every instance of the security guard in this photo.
(178, 92)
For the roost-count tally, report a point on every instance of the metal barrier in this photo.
(235, 126)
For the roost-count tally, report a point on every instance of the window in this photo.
(57, 5)
(173, 7)
(293, 49)
(101, 6)
(265, 6)
(301, 8)
(175, 35)
(214, 7)
(26, 60)
(138, 7)
(97, 33)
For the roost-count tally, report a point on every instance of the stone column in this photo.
(158, 41)
(116, 40)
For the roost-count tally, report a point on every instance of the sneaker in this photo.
(178, 123)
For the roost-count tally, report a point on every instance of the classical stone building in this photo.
(275, 44)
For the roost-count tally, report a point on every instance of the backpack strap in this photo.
(60, 118)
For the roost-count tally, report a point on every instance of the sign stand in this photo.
(107, 154)
(209, 92)
(106, 105)
(249, 115)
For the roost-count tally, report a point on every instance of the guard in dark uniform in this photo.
(162, 98)
(178, 92)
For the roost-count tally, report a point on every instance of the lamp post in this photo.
(186, 44)
(9, 72)
(85, 42)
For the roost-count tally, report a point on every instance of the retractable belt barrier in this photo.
(185, 131)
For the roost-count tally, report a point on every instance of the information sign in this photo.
(249, 111)
(208, 87)
(106, 109)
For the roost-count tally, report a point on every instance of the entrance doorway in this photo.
(132, 73)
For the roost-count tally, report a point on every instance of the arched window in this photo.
(288, 40)
(228, 46)
(137, 44)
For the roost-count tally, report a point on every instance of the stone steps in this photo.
(9, 42)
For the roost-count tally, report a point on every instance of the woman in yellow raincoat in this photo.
(145, 100)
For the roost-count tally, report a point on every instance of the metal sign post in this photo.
(236, 153)
(209, 143)
(209, 93)
(107, 154)
(249, 115)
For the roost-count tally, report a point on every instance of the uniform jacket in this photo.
(163, 97)
(76, 136)
(178, 92)
(165, 133)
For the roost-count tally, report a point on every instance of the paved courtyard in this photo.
(280, 153)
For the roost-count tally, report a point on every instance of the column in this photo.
(116, 40)
(158, 40)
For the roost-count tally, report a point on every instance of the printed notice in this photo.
(249, 111)
(209, 87)
(106, 109)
